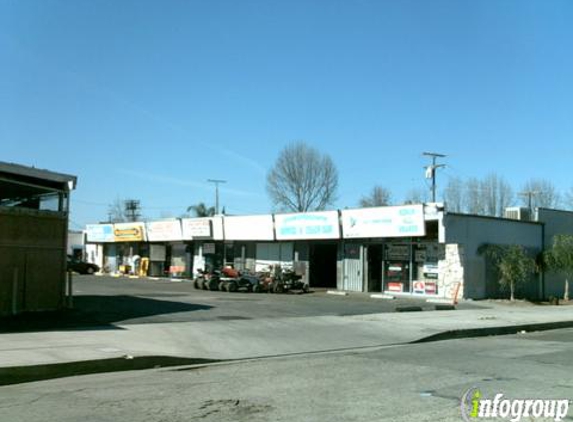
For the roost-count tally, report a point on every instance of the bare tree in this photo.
(378, 197)
(123, 210)
(541, 193)
(488, 196)
(115, 211)
(506, 196)
(416, 196)
(473, 197)
(569, 199)
(454, 194)
(496, 195)
(302, 179)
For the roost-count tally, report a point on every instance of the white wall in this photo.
(249, 227)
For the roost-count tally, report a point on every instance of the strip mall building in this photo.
(412, 250)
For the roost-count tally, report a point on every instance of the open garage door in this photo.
(322, 265)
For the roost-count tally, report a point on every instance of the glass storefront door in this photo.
(397, 261)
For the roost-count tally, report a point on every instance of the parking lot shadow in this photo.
(95, 312)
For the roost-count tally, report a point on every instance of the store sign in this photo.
(395, 287)
(100, 233)
(196, 227)
(251, 227)
(419, 287)
(129, 232)
(431, 288)
(431, 271)
(164, 231)
(316, 225)
(403, 221)
(424, 287)
(208, 248)
(397, 252)
(176, 269)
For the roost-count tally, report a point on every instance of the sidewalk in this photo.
(239, 339)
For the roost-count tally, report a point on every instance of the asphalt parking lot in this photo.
(104, 302)
(138, 301)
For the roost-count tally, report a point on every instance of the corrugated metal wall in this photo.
(352, 267)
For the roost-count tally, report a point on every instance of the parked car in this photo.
(79, 266)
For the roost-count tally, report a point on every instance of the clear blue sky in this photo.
(148, 99)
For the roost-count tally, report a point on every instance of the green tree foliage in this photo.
(514, 265)
(201, 210)
(560, 258)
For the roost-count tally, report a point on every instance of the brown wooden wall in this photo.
(32, 253)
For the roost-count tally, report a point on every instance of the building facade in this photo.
(419, 250)
(34, 208)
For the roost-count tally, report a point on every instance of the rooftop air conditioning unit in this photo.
(518, 213)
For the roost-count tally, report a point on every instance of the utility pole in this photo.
(132, 207)
(216, 182)
(529, 194)
(431, 170)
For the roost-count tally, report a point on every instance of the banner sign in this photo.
(419, 287)
(251, 227)
(196, 227)
(164, 231)
(129, 232)
(395, 287)
(402, 221)
(315, 225)
(100, 233)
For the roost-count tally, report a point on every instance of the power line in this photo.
(529, 194)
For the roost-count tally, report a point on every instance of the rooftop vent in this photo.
(518, 213)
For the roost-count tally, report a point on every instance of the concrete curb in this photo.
(23, 374)
(382, 296)
(336, 292)
(494, 331)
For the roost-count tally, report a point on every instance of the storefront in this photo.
(168, 254)
(100, 247)
(390, 249)
(418, 250)
(314, 238)
(203, 238)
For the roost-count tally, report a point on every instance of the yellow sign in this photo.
(127, 232)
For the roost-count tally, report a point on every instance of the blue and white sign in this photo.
(313, 225)
(403, 221)
(99, 233)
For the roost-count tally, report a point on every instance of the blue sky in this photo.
(149, 99)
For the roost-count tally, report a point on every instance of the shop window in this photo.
(425, 268)
(397, 268)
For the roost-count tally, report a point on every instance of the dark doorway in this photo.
(322, 263)
(374, 268)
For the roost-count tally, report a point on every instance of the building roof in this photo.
(18, 172)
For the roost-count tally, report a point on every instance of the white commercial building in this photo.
(418, 249)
